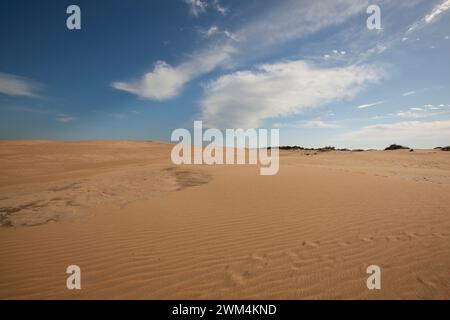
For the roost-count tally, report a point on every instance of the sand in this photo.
(142, 228)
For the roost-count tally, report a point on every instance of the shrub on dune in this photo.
(396, 147)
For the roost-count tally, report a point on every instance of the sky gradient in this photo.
(140, 69)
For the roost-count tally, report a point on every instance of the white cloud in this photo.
(166, 82)
(219, 7)
(244, 99)
(162, 83)
(13, 85)
(444, 6)
(311, 124)
(412, 114)
(409, 93)
(336, 55)
(215, 30)
(196, 7)
(124, 115)
(319, 124)
(291, 20)
(231, 35)
(285, 22)
(58, 116)
(425, 111)
(432, 16)
(410, 133)
(364, 106)
(212, 31)
(65, 119)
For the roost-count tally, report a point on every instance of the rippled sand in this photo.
(140, 227)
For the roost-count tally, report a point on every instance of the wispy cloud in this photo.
(13, 85)
(432, 16)
(57, 116)
(286, 22)
(245, 98)
(430, 132)
(211, 31)
(409, 93)
(197, 7)
(124, 115)
(163, 82)
(215, 30)
(65, 119)
(444, 6)
(311, 124)
(166, 82)
(364, 106)
(119, 116)
(425, 111)
(219, 7)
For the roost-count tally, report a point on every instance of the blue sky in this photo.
(140, 69)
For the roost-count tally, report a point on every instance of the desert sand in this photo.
(141, 228)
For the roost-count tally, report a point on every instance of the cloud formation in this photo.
(425, 111)
(244, 99)
(364, 106)
(13, 85)
(410, 93)
(311, 124)
(287, 21)
(432, 16)
(162, 83)
(65, 119)
(166, 82)
(197, 7)
(215, 31)
(212, 31)
(401, 132)
(219, 7)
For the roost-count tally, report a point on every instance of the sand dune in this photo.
(140, 227)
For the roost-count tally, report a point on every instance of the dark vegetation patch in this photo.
(190, 178)
(298, 148)
(396, 147)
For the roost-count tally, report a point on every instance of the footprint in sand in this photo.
(426, 282)
(392, 238)
(294, 268)
(310, 244)
(258, 261)
(238, 278)
(327, 258)
(411, 235)
(438, 235)
(368, 239)
(291, 254)
(257, 258)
